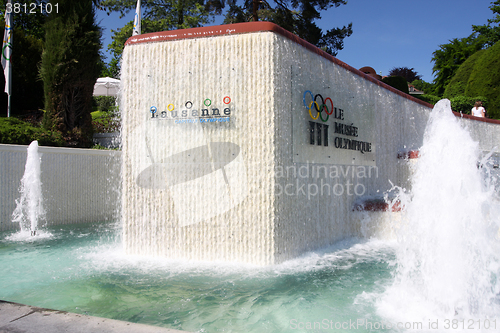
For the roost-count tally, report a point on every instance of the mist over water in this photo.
(448, 257)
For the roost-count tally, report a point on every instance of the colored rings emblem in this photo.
(320, 105)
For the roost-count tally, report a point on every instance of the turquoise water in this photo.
(82, 269)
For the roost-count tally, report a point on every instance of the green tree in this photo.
(450, 56)
(296, 16)
(458, 83)
(490, 33)
(30, 23)
(426, 87)
(70, 67)
(173, 14)
(397, 82)
(479, 76)
(408, 73)
(157, 15)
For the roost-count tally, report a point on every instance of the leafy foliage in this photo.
(70, 67)
(464, 104)
(426, 87)
(397, 82)
(15, 131)
(458, 83)
(157, 15)
(479, 76)
(450, 56)
(296, 16)
(105, 122)
(31, 24)
(178, 14)
(490, 33)
(431, 99)
(408, 73)
(104, 103)
(485, 79)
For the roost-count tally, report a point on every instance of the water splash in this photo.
(448, 259)
(29, 210)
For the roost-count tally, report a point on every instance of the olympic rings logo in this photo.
(320, 104)
(207, 102)
(188, 108)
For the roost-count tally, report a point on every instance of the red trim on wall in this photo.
(485, 120)
(248, 27)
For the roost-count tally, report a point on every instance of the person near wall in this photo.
(478, 110)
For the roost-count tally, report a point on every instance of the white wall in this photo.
(246, 189)
(79, 185)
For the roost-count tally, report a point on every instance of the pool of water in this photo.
(82, 269)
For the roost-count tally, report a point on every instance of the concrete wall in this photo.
(79, 185)
(250, 185)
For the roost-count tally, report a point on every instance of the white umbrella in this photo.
(106, 86)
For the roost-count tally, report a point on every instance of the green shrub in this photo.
(104, 103)
(485, 80)
(464, 104)
(105, 122)
(431, 99)
(15, 131)
(397, 82)
(458, 83)
(426, 87)
(479, 75)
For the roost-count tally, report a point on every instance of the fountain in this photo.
(29, 209)
(239, 199)
(448, 261)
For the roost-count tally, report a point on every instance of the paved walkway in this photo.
(16, 318)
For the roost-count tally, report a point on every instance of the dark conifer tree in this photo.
(70, 67)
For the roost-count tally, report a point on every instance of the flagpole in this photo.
(6, 54)
(137, 19)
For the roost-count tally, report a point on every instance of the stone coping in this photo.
(15, 317)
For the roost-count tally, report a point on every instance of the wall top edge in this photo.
(262, 26)
(59, 150)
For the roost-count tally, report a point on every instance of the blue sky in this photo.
(386, 33)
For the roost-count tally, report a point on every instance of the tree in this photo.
(426, 87)
(408, 73)
(70, 67)
(489, 33)
(158, 15)
(30, 23)
(296, 16)
(293, 15)
(478, 76)
(450, 56)
(397, 82)
(170, 14)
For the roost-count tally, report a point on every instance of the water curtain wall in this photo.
(78, 185)
(226, 156)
